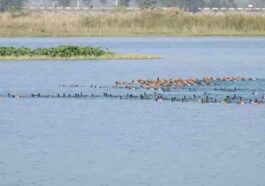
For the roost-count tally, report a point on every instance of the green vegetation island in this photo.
(146, 22)
(65, 53)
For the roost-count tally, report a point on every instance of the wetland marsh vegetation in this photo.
(171, 22)
(64, 52)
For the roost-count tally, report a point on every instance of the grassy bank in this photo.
(64, 53)
(147, 22)
(103, 57)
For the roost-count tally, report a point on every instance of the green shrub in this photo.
(61, 51)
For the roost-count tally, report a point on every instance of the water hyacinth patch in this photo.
(65, 52)
(61, 51)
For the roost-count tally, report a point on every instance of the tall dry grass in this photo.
(146, 22)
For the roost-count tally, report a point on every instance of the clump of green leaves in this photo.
(61, 51)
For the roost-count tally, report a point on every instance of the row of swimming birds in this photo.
(157, 90)
(176, 83)
(204, 98)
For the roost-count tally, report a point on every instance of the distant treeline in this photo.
(183, 4)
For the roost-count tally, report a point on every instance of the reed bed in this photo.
(171, 22)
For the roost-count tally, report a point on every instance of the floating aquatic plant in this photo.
(65, 52)
(61, 51)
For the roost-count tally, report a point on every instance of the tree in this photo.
(191, 5)
(231, 3)
(172, 3)
(87, 2)
(222, 3)
(215, 3)
(147, 3)
(5, 4)
(124, 2)
(103, 2)
(64, 3)
(259, 3)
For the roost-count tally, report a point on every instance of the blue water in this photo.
(80, 142)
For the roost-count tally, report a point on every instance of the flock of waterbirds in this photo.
(225, 90)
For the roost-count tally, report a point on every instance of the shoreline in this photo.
(103, 57)
(87, 35)
(135, 36)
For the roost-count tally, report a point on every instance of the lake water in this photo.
(80, 142)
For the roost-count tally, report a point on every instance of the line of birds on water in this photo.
(176, 83)
(170, 83)
(204, 96)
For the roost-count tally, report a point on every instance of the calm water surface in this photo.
(79, 142)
